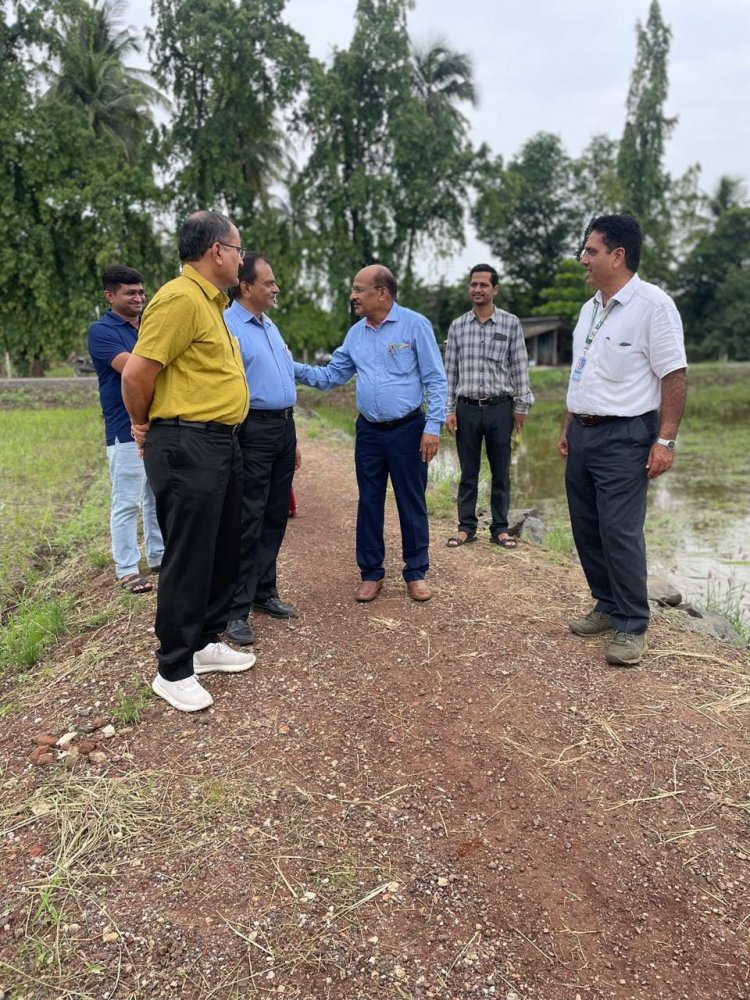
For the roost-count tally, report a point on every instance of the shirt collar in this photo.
(114, 318)
(209, 290)
(624, 295)
(244, 314)
(490, 319)
(390, 318)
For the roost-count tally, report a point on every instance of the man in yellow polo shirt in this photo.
(185, 389)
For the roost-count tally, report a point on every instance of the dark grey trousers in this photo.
(606, 483)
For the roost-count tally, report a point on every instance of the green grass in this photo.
(726, 599)
(48, 458)
(30, 630)
(127, 712)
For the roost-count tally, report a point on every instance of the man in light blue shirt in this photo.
(268, 441)
(394, 354)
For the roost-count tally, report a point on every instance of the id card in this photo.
(578, 370)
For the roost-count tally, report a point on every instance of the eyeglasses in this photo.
(240, 250)
(358, 290)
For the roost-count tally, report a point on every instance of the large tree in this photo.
(526, 212)
(233, 69)
(90, 71)
(643, 181)
(390, 157)
(715, 296)
(73, 199)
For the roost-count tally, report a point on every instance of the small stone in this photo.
(442, 882)
(86, 746)
(108, 731)
(97, 756)
(45, 740)
(44, 759)
(98, 724)
(36, 851)
(67, 739)
(110, 936)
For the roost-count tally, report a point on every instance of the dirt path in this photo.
(455, 800)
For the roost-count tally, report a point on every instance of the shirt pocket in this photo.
(613, 359)
(496, 347)
(401, 359)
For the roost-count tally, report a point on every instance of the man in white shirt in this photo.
(625, 401)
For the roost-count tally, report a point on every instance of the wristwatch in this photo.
(667, 443)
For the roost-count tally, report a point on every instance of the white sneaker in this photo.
(186, 695)
(217, 656)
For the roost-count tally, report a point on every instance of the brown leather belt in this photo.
(592, 419)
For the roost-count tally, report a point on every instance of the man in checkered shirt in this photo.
(488, 396)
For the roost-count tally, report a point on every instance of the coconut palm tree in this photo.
(90, 72)
(443, 78)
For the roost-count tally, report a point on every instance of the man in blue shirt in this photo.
(268, 441)
(393, 352)
(110, 341)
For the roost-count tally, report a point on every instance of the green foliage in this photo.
(28, 632)
(527, 214)
(440, 303)
(390, 160)
(715, 301)
(232, 68)
(566, 294)
(127, 711)
(64, 216)
(640, 165)
(596, 181)
(87, 178)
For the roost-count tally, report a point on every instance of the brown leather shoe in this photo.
(368, 590)
(418, 590)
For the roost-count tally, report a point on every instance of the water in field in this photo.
(698, 526)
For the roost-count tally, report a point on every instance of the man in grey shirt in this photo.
(488, 396)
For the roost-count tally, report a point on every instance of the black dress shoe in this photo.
(275, 608)
(240, 631)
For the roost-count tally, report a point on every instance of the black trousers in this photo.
(268, 442)
(196, 476)
(606, 483)
(492, 425)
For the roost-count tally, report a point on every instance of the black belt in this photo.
(486, 400)
(592, 419)
(199, 425)
(388, 425)
(281, 414)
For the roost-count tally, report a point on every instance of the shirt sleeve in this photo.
(167, 329)
(432, 373)
(451, 368)
(105, 343)
(666, 345)
(519, 370)
(338, 370)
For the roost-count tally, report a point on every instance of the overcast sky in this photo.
(564, 66)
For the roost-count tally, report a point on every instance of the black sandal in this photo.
(454, 541)
(136, 584)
